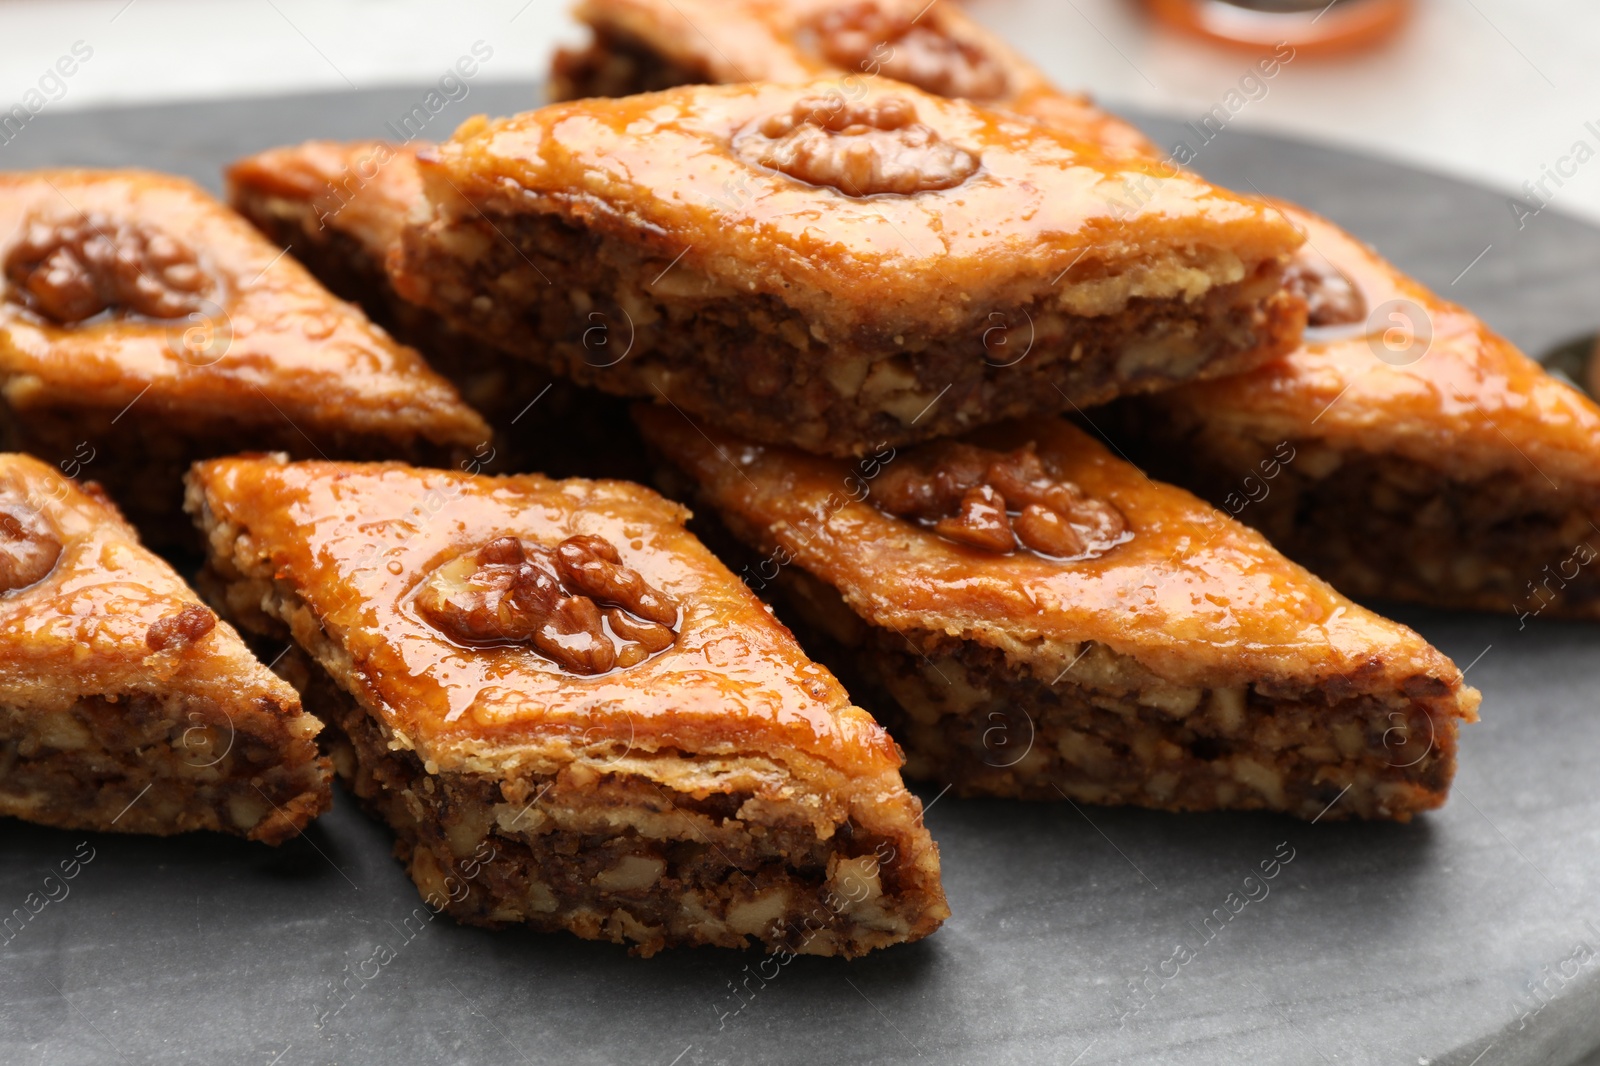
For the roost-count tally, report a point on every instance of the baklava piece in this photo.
(1404, 452)
(641, 46)
(144, 325)
(340, 209)
(570, 713)
(125, 705)
(1040, 620)
(834, 271)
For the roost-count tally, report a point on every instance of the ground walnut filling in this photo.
(1492, 543)
(148, 764)
(1385, 526)
(999, 502)
(577, 603)
(900, 40)
(1098, 727)
(72, 271)
(1108, 731)
(609, 854)
(759, 368)
(863, 149)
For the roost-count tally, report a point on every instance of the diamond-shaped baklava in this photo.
(125, 705)
(1405, 451)
(572, 715)
(144, 325)
(1042, 620)
(835, 265)
(645, 45)
(341, 208)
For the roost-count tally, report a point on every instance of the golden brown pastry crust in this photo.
(1045, 204)
(766, 297)
(1191, 602)
(266, 357)
(644, 45)
(316, 360)
(124, 704)
(335, 554)
(1447, 468)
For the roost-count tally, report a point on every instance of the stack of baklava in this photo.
(898, 318)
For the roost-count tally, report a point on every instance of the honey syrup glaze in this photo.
(355, 541)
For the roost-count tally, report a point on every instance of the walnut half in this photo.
(578, 604)
(900, 39)
(996, 501)
(864, 149)
(72, 271)
(29, 547)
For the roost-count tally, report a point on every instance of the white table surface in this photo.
(1491, 90)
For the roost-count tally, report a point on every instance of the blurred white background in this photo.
(1492, 90)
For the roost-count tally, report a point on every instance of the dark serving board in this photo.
(1376, 943)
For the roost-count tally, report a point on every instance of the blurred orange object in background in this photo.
(1314, 26)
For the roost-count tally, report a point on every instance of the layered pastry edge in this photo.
(838, 338)
(1051, 709)
(639, 841)
(147, 714)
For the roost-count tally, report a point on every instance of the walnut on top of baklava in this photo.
(833, 266)
(1405, 451)
(646, 45)
(125, 705)
(1039, 619)
(143, 325)
(555, 681)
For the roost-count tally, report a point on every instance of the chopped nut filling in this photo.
(72, 271)
(750, 364)
(1331, 300)
(967, 716)
(142, 763)
(593, 850)
(858, 149)
(578, 604)
(997, 501)
(894, 39)
(29, 547)
(183, 628)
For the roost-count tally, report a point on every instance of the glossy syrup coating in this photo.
(263, 342)
(935, 46)
(1417, 376)
(356, 541)
(106, 616)
(1193, 595)
(1043, 217)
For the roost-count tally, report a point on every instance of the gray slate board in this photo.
(1377, 943)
